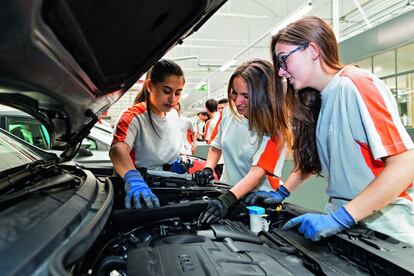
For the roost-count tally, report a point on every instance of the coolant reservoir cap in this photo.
(256, 210)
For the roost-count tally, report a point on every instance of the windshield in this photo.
(13, 153)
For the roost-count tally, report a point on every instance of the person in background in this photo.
(355, 137)
(144, 136)
(252, 138)
(222, 103)
(201, 125)
(212, 124)
(188, 134)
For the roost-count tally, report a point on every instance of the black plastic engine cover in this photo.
(198, 255)
(234, 230)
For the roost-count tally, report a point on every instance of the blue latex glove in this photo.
(268, 198)
(137, 190)
(317, 226)
(177, 166)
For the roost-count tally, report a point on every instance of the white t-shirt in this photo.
(187, 130)
(149, 148)
(200, 129)
(358, 126)
(241, 150)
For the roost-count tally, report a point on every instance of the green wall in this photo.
(311, 194)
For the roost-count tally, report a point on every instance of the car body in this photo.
(94, 148)
(65, 63)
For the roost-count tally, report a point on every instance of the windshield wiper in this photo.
(21, 173)
(56, 181)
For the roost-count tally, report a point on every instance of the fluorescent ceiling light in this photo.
(301, 11)
(228, 65)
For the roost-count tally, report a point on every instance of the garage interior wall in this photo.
(387, 51)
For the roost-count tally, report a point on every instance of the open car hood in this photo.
(66, 61)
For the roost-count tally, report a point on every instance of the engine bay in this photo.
(169, 241)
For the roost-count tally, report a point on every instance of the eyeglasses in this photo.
(282, 59)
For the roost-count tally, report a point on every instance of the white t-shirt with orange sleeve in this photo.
(151, 147)
(212, 127)
(358, 127)
(241, 149)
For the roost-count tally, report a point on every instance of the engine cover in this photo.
(201, 255)
(196, 255)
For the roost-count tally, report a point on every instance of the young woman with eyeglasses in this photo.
(252, 136)
(345, 126)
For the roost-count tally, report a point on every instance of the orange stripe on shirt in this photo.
(376, 166)
(189, 136)
(387, 130)
(215, 130)
(125, 120)
(273, 181)
(268, 159)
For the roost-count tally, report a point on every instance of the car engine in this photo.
(169, 241)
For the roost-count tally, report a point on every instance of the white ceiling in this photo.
(241, 22)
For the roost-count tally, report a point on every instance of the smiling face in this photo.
(166, 94)
(239, 94)
(298, 64)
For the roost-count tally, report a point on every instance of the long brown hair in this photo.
(304, 105)
(304, 118)
(157, 74)
(267, 112)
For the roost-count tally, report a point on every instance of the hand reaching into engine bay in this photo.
(138, 192)
(267, 198)
(217, 208)
(317, 226)
(204, 176)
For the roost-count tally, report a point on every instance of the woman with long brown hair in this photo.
(346, 127)
(252, 137)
